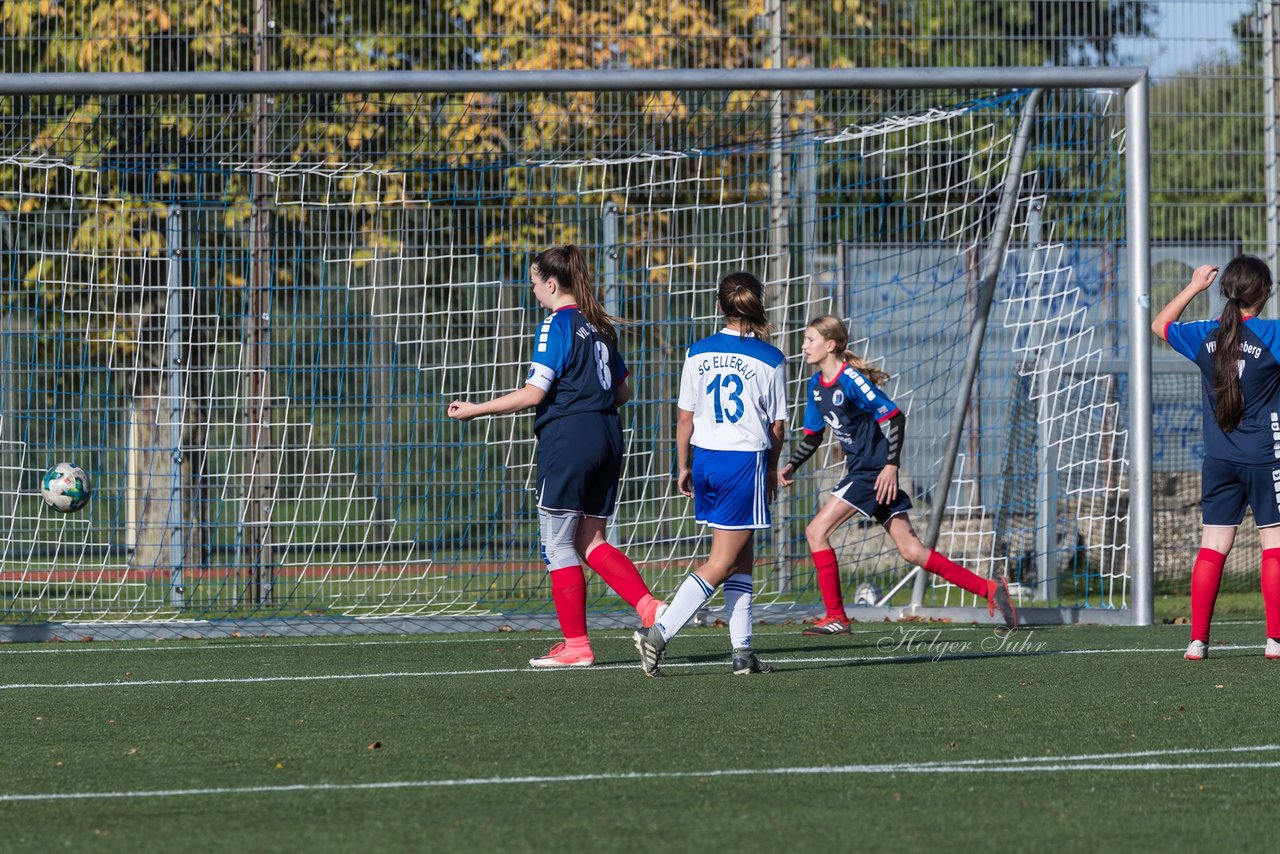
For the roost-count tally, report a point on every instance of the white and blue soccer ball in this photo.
(866, 594)
(66, 487)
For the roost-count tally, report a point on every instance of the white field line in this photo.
(1018, 765)
(251, 644)
(427, 674)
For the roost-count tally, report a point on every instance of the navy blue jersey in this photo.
(575, 365)
(853, 407)
(1256, 440)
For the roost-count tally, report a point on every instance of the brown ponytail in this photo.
(568, 266)
(741, 298)
(1246, 283)
(832, 328)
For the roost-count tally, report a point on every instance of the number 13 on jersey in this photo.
(726, 394)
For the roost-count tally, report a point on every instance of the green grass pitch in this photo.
(1084, 738)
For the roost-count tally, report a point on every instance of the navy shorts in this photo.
(858, 489)
(729, 489)
(1225, 489)
(580, 463)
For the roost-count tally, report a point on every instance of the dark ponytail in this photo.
(1246, 283)
(741, 298)
(568, 266)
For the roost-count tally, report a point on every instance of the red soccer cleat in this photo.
(562, 656)
(827, 626)
(998, 597)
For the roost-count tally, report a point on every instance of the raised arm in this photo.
(1201, 279)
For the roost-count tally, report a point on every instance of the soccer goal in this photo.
(242, 302)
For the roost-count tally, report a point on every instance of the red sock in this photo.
(1271, 590)
(829, 582)
(1206, 576)
(956, 574)
(619, 573)
(569, 592)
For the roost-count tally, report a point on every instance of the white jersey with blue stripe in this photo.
(735, 386)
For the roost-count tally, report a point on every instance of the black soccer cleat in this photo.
(745, 662)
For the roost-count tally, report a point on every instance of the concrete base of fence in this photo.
(334, 627)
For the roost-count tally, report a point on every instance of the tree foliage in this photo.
(134, 157)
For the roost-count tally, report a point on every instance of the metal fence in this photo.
(1213, 66)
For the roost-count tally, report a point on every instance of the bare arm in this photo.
(1201, 279)
(623, 392)
(684, 452)
(777, 436)
(520, 399)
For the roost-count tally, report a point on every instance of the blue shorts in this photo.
(580, 463)
(728, 489)
(1225, 489)
(858, 489)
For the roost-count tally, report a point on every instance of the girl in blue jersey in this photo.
(1239, 360)
(731, 415)
(870, 428)
(576, 383)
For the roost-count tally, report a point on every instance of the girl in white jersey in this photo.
(577, 382)
(731, 418)
(1239, 359)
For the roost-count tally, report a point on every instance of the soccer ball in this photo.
(866, 594)
(66, 488)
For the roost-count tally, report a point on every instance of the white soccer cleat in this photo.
(651, 645)
(1273, 648)
(1196, 651)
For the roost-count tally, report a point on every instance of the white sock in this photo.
(737, 600)
(692, 595)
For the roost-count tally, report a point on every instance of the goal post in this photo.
(254, 321)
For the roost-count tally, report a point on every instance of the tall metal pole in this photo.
(804, 200)
(610, 295)
(258, 462)
(175, 408)
(778, 269)
(1137, 195)
(610, 292)
(777, 203)
(992, 263)
(1269, 140)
